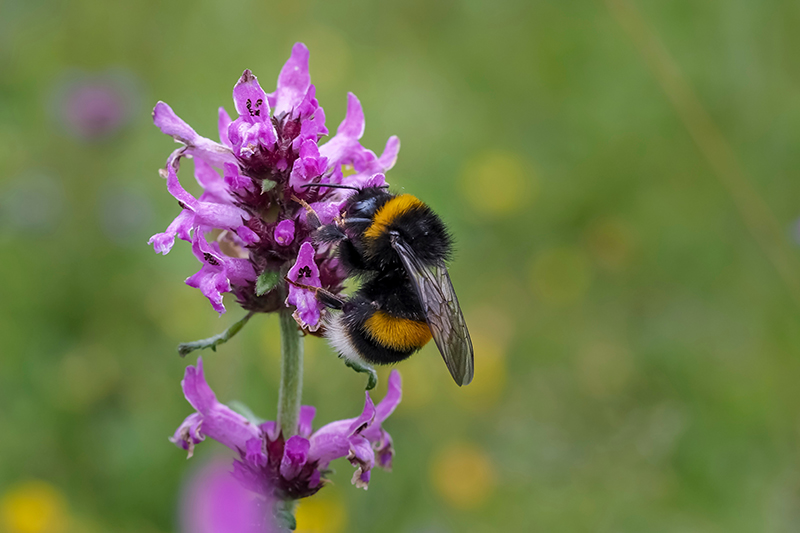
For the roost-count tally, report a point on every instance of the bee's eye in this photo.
(363, 207)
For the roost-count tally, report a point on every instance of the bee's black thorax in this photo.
(404, 215)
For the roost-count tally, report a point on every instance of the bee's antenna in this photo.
(331, 185)
(337, 186)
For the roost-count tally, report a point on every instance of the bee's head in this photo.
(364, 202)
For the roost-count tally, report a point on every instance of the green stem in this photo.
(186, 348)
(291, 374)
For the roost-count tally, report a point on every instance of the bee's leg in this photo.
(311, 215)
(354, 220)
(326, 298)
(350, 256)
(364, 368)
(330, 233)
(330, 300)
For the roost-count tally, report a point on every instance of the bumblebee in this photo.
(398, 246)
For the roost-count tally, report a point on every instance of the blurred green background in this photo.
(636, 349)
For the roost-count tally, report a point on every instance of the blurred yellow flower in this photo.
(33, 507)
(321, 513)
(463, 475)
(498, 182)
(560, 276)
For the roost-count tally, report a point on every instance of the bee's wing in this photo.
(440, 304)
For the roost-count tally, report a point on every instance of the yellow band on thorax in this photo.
(389, 212)
(397, 333)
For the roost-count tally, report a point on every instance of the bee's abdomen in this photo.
(401, 334)
(378, 337)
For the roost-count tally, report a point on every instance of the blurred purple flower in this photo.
(266, 155)
(289, 469)
(214, 502)
(95, 106)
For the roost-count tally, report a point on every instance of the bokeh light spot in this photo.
(33, 507)
(498, 182)
(463, 475)
(560, 276)
(94, 106)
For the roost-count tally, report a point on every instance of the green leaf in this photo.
(267, 185)
(266, 282)
(186, 348)
(364, 368)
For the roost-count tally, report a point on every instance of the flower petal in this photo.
(380, 438)
(255, 452)
(330, 442)
(293, 80)
(218, 421)
(392, 399)
(384, 450)
(389, 156)
(169, 123)
(353, 124)
(295, 456)
(307, 413)
(363, 458)
(247, 235)
(344, 146)
(180, 227)
(308, 166)
(284, 232)
(223, 122)
(188, 433)
(365, 419)
(234, 179)
(305, 272)
(212, 214)
(253, 128)
(250, 99)
(218, 271)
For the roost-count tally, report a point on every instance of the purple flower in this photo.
(293, 468)
(305, 272)
(95, 106)
(253, 181)
(284, 232)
